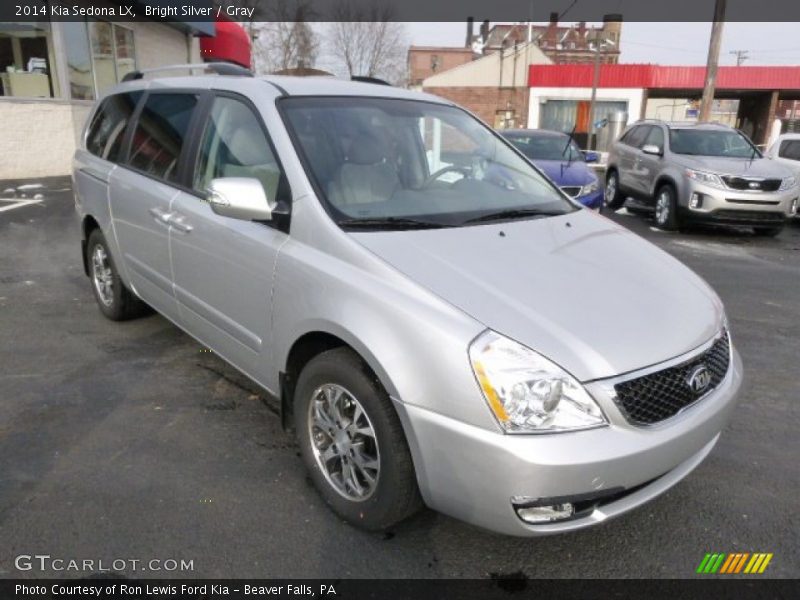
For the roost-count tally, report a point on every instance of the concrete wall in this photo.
(39, 137)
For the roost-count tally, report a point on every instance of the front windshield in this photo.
(546, 147)
(707, 142)
(402, 160)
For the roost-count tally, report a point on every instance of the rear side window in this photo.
(160, 133)
(790, 149)
(234, 145)
(108, 125)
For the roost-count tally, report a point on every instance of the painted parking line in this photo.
(16, 203)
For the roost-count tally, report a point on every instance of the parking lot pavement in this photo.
(130, 441)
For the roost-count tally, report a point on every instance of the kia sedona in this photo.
(412, 292)
(700, 172)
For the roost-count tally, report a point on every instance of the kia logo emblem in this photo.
(699, 379)
(754, 185)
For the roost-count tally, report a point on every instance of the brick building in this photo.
(425, 61)
(494, 87)
(573, 44)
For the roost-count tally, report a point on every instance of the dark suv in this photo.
(699, 172)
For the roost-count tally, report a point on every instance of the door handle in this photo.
(179, 223)
(161, 215)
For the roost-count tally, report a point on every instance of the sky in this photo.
(664, 43)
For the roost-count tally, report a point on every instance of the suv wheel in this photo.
(352, 442)
(116, 301)
(666, 208)
(613, 197)
(767, 231)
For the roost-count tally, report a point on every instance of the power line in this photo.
(741, 56)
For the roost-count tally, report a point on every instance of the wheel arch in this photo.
(88, 224)
(312, 343)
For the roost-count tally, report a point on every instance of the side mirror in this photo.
(239, 198)
(652, 149)
(590, 156)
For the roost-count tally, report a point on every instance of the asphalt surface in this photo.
(130, 441)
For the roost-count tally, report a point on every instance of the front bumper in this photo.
(593, 200)
(471, 473)
(736, 207)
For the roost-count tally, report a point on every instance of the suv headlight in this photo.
(589, 188)
(528, 393)
(706, 178)
(787, 184)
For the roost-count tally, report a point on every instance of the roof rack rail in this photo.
(366, 79)
(220, 68)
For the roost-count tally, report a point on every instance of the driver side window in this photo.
(234, 145)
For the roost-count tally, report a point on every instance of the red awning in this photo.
(230, 44)
(664, 77)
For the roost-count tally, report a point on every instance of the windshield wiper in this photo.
(514, 213)
(390, 223)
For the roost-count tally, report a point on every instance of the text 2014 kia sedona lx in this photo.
(413, 290)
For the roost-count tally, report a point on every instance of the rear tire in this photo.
(767, 231)
(666, 214)
(115, 301)
(352, 442)
(613, 198)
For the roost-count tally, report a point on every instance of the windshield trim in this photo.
(337, 215)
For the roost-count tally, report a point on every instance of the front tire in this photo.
(352, 442)
(666, 214)
(613, 196)
(115, 301)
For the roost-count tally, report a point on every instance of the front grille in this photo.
(749, 216)
(744, 183)
(652, 398)
(571, 190)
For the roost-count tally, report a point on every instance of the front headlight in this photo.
(528, 393)
(787, 184)
(589, 188)
(706, 178)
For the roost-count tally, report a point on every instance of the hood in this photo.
(566, 173)
(586, 293)
(758, 167)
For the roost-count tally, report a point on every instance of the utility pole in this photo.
(741, 56)
(713, 61)
(595, 83)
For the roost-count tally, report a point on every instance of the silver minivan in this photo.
(413, 291)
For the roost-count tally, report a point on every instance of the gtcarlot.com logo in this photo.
(736, 563)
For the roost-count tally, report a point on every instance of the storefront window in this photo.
(27, 60)
(99, 54)
(79, 61)
(105, 70)
(126, 51)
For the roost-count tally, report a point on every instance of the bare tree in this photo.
(366, 42)
(287, 40)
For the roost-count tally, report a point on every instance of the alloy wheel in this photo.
(343, 442)
(662, 207)
(102, 275)
(611, 189)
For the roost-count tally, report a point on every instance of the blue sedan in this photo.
(562, 161)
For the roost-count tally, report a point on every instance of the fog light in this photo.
(793, 208)
(543, 514)
(696, 201)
